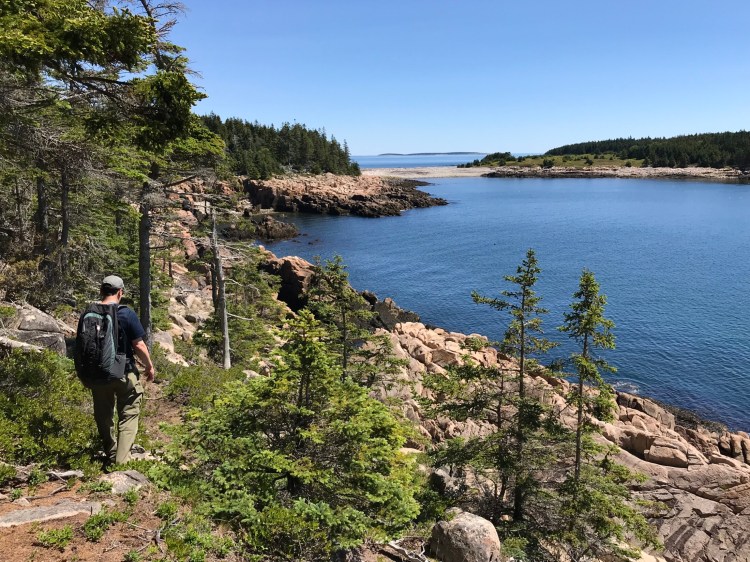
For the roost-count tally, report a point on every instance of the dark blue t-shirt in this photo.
(130, 329)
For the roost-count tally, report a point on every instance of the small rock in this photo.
(23, 502)
(65, 475)
(124, 481)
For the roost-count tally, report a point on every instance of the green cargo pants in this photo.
(126, 396)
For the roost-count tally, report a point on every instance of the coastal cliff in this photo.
(339, 195)
(698, 474)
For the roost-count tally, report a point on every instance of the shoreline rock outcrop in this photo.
(339, 195)
(711, 174)
(700, 476)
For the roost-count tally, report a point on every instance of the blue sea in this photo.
(671, 256)
(415, 160)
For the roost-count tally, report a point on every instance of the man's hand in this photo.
(141, 351)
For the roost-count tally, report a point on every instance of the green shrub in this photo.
(7, 473)
(197, 385)
(132, 556)
(45, 412)
(300, 462)
(166, 511)
(131, 497)
(97, 525)
(55, 538)
(192, 538)
(36, 477)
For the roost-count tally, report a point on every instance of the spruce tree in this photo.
(365, 357)
(588, 327)
(523, 340)
(597, 514)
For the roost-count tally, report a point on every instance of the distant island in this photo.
(429, 153)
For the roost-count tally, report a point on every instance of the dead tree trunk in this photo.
(144, 266)
(64, 221)
(221, 301)
(42, 214)
(19, 213)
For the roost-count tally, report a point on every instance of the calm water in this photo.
(415, 160)
(672, 257)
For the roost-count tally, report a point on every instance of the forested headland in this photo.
(707, 150)
(711, 150)
(261, 151)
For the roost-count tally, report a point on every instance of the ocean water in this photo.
(415, 160)
(671, 256)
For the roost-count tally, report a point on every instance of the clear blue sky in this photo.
(484, 75)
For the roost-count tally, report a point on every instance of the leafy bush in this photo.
(192, 538)
(45, 412)
(131, 497)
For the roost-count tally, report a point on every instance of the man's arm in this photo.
(141, 350)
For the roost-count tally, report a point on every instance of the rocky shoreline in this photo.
(700, 476)
(710, 174)
(698, 472)
(704, 174)
(329, 194)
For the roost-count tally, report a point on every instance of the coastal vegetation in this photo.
(712, 150)
(287, 455)
(579, 161)
(709, 150)
(261, 151)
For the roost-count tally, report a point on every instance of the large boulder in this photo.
(387, 312)
(30, 325)
(465, 538)
(295, 274)
(268, 228)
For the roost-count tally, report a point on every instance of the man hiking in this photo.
(111, 388)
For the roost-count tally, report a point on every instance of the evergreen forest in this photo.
(713, 150)
(260, 151)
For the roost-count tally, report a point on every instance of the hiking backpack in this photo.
(98, 358)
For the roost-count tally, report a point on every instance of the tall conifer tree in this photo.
(523, 339)
(597, 515)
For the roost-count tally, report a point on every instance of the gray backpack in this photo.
(97, 357)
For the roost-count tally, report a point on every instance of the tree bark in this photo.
(144, 267)
(20, 213)
(221, 301)
(42, 214)
(65, 209)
